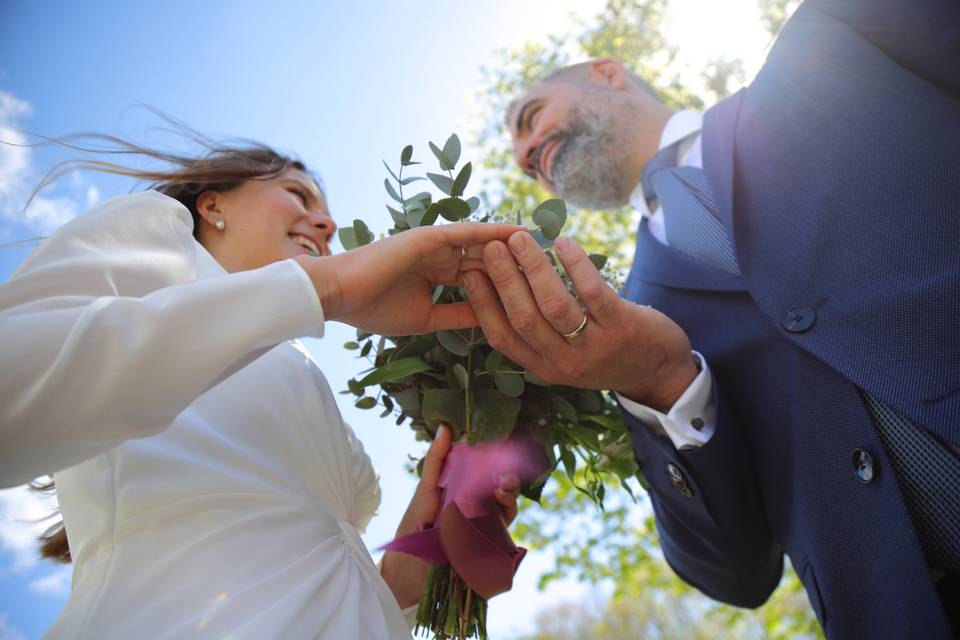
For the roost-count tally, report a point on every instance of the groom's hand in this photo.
(525, 311)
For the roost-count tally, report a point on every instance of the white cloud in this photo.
(8, 631)
(18, 177)
(22, 519)
(56, 584)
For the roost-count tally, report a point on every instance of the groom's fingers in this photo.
(556, 304)
(601, 301)
(495, 324)
(518, 301)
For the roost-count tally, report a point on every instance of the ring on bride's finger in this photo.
(576, 333)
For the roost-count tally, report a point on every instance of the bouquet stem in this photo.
(449, 609)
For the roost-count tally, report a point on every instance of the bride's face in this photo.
(266, 221)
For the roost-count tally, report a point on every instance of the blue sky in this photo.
(342, 85)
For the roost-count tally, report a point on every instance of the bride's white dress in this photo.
(215, 490)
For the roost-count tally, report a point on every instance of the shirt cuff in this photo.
(691, 420)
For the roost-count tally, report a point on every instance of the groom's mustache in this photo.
(559, 134)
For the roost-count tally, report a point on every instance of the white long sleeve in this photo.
(108, 334)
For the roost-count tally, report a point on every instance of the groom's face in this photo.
(572, 138)
(535, 122)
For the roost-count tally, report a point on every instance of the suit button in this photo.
(798, 319)
(863, 465)
(679, 481)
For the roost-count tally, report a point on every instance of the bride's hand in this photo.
(405, 574)
(386, 287)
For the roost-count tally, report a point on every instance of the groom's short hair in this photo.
(578, 73)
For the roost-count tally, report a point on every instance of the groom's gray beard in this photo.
(589, 169)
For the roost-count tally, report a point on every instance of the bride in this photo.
(208, 484)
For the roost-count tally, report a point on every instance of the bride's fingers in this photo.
(506, 496)
(468, 233)
(457, 315)
(433, 463)
(466, 264)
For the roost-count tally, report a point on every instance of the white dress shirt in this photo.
(215, 490)
(690, 422)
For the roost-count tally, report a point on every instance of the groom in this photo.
(795, 387)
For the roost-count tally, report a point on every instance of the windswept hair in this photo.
(217, 166)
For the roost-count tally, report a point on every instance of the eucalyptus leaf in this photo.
(460, 183)
(399, 219)
(395, 370)
(406, 154)
(430, 215)
(388, 402)
(493, 362)
(347, 238)
(442, 182)
(474, 203)
(365, 403)
(598, 259)
(556, 206)
(409, 401)
(454, 343)
(453, 209)
(509, 384)
(351, 345)
(442, 158)
(354, 388)
(390, 171)
(445, 405)
(391, 191)
(569, 462)
(362, 234)
(422, 197)
(533, 378)
(494, 415)
(463, 378)
(565, 409)
(407, 181)
(416, 215)
(367, 347)
(451, 149)
(417, 346)
(549, 223)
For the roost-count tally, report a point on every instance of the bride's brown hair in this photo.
(217, 166)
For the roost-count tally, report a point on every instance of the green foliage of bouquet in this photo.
(455, 377)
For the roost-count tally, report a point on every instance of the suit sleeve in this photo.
(108, 335)
(709, 515)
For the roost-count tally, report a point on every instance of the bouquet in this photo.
(503, 418)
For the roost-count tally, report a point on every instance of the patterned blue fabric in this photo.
(928, 472)
(834, 177)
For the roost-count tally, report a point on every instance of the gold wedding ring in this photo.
(576, 333)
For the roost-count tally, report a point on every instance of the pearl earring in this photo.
(220, 224)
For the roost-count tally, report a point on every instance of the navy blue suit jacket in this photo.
(838, 176)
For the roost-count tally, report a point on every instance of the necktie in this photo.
(928, 473)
